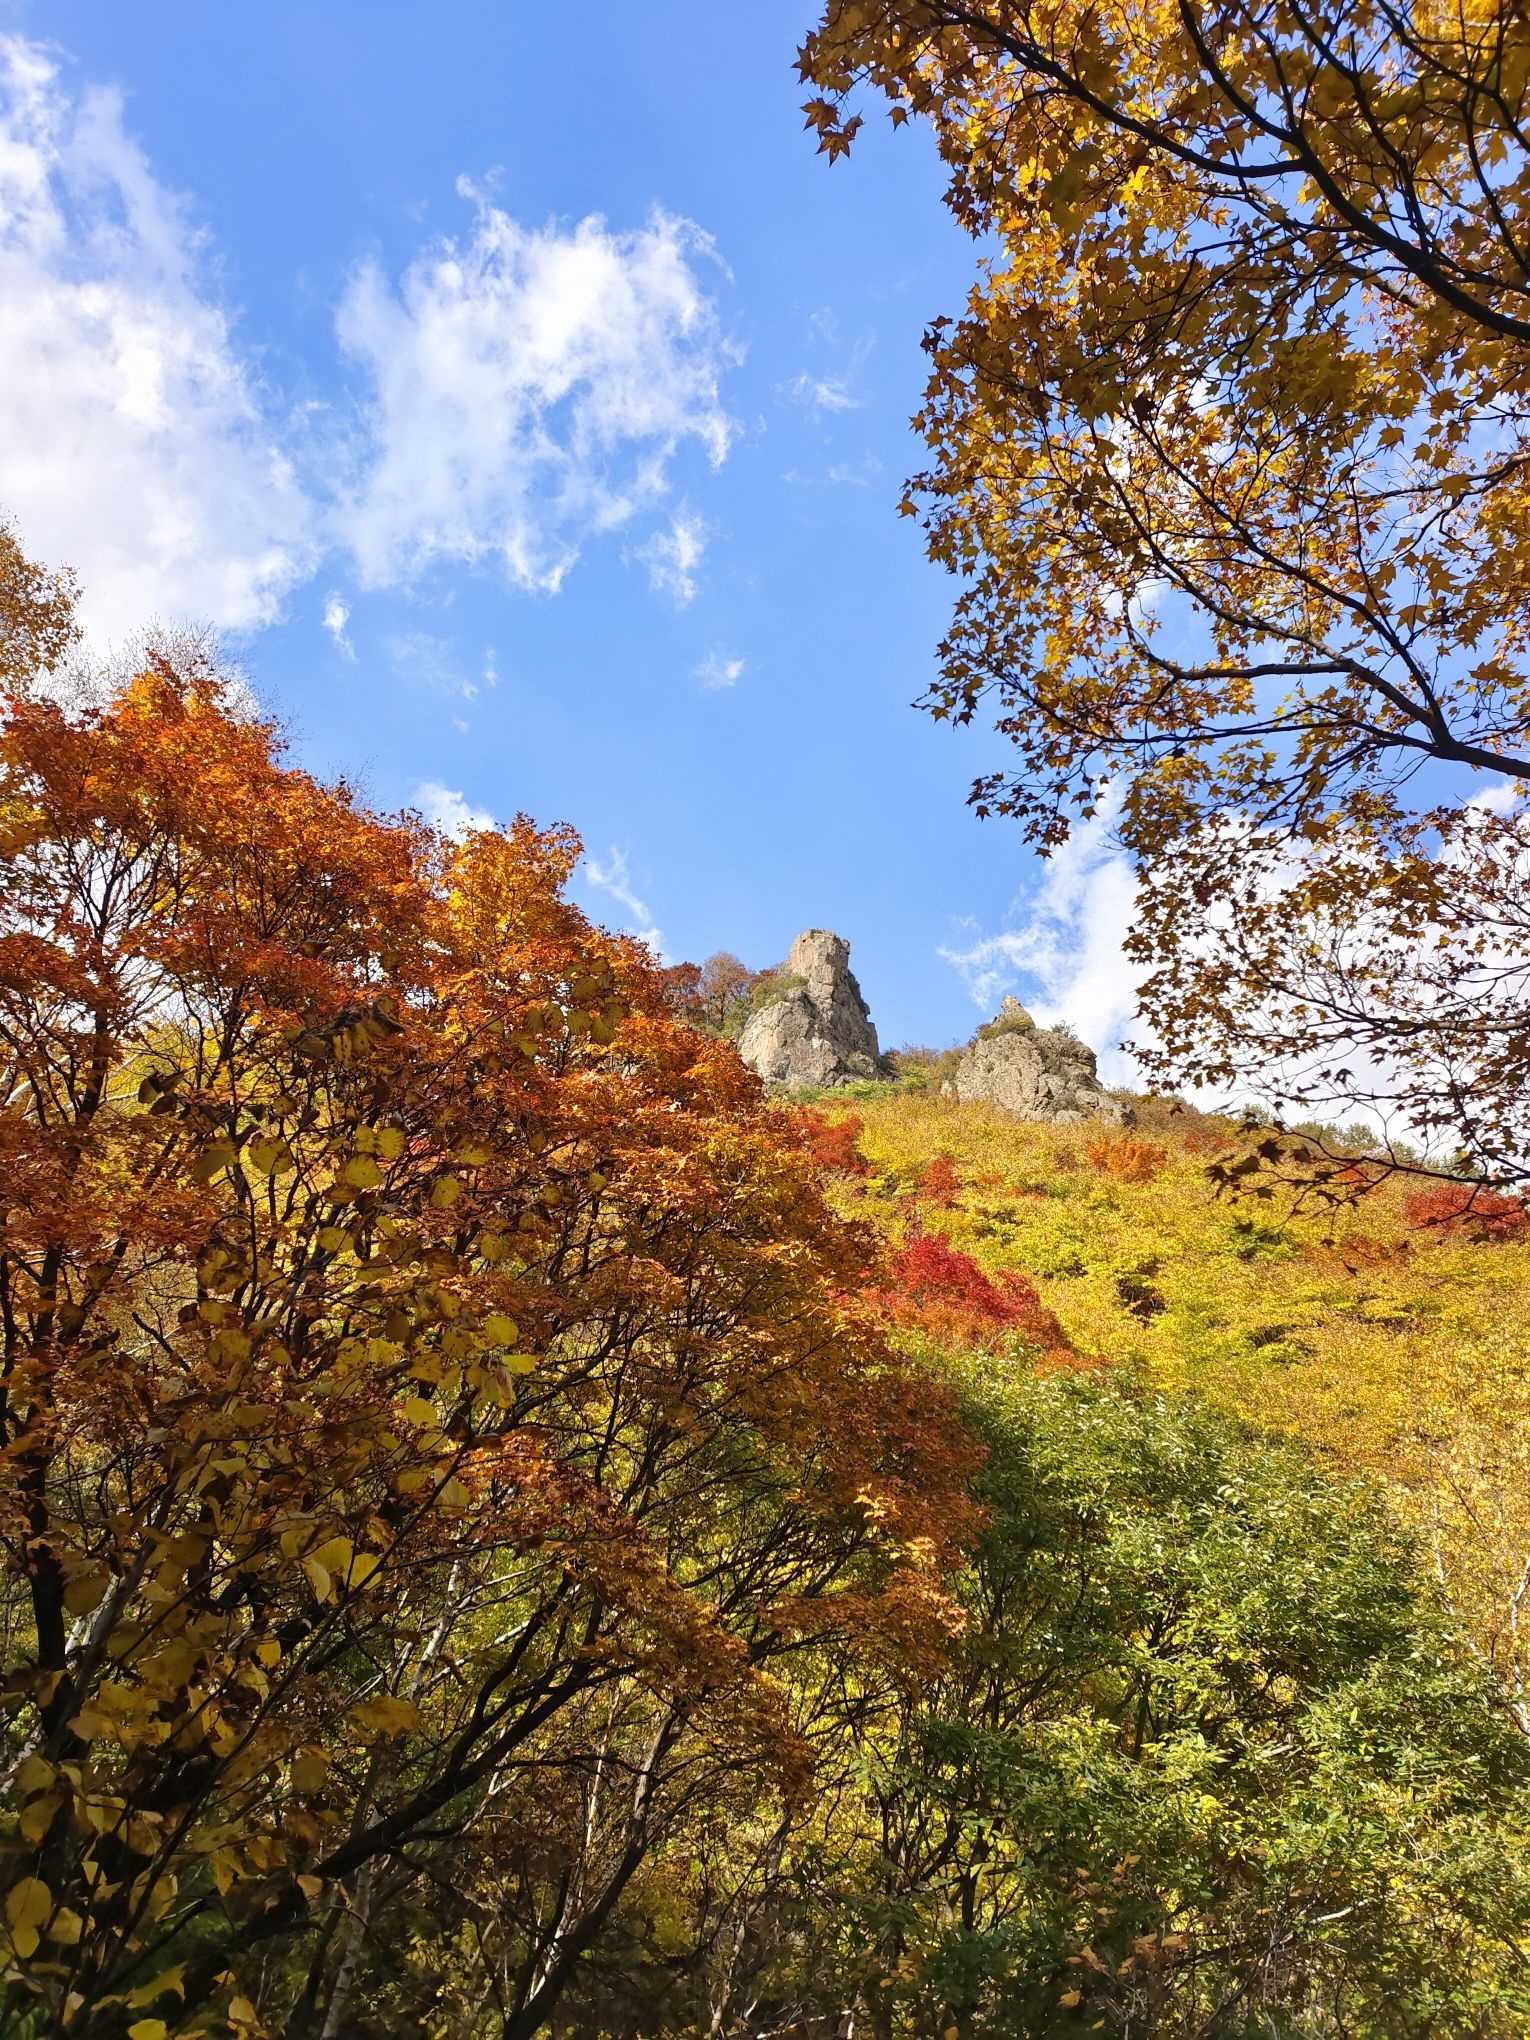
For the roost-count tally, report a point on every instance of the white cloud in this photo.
(523, 391)
(133, 440)
(1064, 952)
(337, 614)
(1501, 798)
(673, 556)
(839, 475)
(425, 660)
(447, 810)
(615, 879)
(718, 670)
(529, 388)
(818, 393)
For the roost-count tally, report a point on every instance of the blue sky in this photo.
(531, 409)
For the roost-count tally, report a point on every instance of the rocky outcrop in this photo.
(1033, 1072)
(814, 1031)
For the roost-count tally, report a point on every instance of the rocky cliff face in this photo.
(1034, 1072)
(816, 1033)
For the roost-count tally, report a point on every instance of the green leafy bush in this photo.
(1209, 1761)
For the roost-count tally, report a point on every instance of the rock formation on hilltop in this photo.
(814, 1031)
(1034, 1072)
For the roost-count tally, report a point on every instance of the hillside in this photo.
(1389, 1343)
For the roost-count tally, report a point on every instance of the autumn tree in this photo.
(1229, 447)
(435, 1425)
(37, 615)
(722, 993)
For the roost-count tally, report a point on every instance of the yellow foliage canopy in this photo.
(1231, 450)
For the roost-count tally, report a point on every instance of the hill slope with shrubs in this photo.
(1389, 1333)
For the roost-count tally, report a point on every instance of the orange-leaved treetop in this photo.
(433, 1402)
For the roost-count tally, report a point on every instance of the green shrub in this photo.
(1210, 1761)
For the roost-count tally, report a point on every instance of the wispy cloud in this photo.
(672, 558)
(1063, 953)
(528, 389)
(138, 445)
(612, 876)
(449, 811)
(818, 393)
(840, 474)
(425, 660)
(718, 670)
(337, 614)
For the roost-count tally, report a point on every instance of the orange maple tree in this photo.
(37, 620)
(432, 1399)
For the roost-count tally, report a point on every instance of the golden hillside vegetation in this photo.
(1390, 1346)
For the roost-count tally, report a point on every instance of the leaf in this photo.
(66, 1927)
(86, 1590)
(173, 1978)
(28, 1903)
(37, 1816)
(212, 1161)
(35, 1774)
(386, 1715)
(267, 1155)
(334, 1554)
(310, 1768)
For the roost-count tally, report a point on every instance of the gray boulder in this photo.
(1034, 1072)
(816, 1033)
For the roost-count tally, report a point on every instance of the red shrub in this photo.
(939, 1182)
(938, 1289)
(1466, 1211)
(1204, 1140)
(832, 1142)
